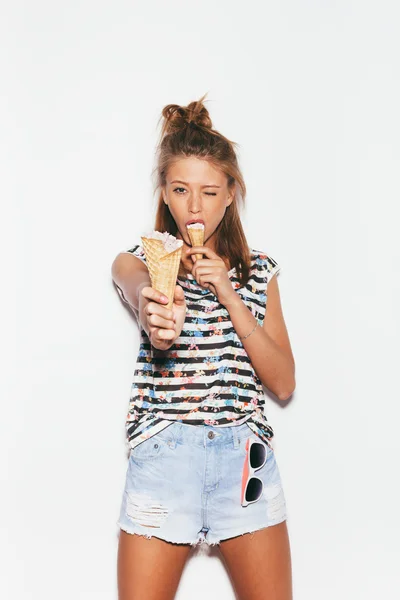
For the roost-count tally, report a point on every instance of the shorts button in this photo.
(211, 435)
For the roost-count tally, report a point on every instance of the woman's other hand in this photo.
(211, 272)
(161, 324)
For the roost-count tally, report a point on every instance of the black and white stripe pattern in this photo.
(206, 377)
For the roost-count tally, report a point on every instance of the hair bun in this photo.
(177, 117)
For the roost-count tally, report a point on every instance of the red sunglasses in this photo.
(256, 457)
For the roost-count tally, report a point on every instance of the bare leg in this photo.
(149, 568)
(259, 563)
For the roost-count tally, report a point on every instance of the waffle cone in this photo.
(196, 238)
(163, 267)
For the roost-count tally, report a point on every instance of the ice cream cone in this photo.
(163, 266)
(196, 235)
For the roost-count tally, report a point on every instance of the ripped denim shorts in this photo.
(184, 485)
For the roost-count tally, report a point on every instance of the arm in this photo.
(130, 275)
(133, 282)
(268, 347)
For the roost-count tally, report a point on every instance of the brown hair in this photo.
(187, 131)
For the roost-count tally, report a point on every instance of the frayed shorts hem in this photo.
(133, 531)
(231, 534)
(210, 541)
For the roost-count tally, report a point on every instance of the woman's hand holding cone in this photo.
(179, 309)
(211, 272)
(162, 325)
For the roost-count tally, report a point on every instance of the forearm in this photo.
(272, 366)
(137, 301)
(132, 290)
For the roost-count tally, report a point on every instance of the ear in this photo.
(231, 194)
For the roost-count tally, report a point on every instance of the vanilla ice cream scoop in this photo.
(196, 235)
(169, 241)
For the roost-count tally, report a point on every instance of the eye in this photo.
(181, 188)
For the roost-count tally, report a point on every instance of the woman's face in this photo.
(196, 190)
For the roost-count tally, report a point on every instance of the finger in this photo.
(160, 322)
(153, 308)
(198, 272)
(179, 296)
(165, 334)
(152, 294)
(205, 284)
(206, 278)
(202, 250)
(208, 263)
(178, 292)
(204, 270)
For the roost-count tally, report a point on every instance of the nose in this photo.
(195, 203)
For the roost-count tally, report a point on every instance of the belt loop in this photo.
(236, 440)
(178, 433)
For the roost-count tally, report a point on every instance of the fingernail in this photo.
(164, 298)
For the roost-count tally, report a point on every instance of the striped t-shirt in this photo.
(206, 376)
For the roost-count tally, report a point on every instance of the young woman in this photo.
(201, 464)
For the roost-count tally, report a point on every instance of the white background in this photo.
(311, 92)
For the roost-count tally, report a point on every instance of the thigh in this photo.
(259, 563)
(149, 568)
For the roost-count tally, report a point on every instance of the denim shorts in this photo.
(183, 485)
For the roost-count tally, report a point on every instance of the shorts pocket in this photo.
(153, 447)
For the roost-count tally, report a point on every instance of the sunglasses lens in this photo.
(253, 490)
(257, 455)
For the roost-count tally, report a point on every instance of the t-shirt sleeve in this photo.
(271, 267)
(138, 251)
(267, 267)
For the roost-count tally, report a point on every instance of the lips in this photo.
(195, 221)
